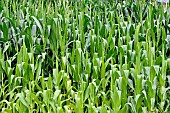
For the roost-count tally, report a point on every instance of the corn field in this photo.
(86, 56)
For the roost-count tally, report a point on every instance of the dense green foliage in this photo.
(92, 56)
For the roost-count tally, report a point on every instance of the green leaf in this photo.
(38, 24)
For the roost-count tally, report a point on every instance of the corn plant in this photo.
(92, 56)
